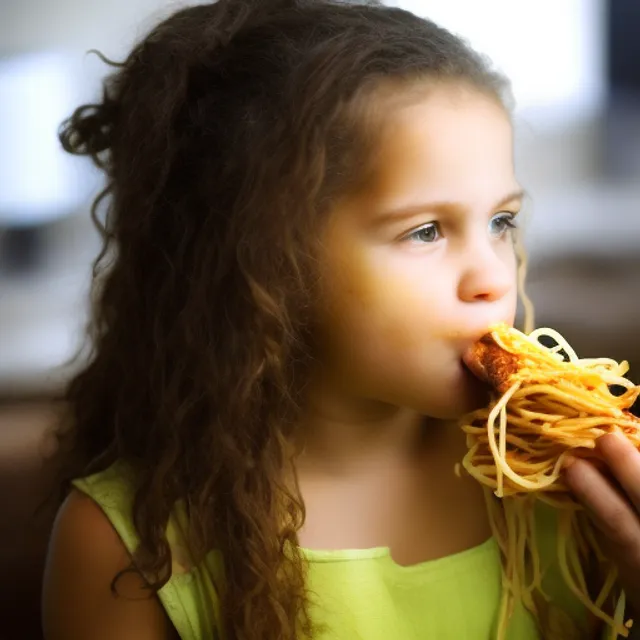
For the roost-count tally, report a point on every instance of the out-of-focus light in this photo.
(552, 51)
(39, 182)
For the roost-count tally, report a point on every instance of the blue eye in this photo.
(426, 234)
(502, 223)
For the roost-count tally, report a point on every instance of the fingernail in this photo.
(568, 462)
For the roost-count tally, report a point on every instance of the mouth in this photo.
(473, 365)
(474, 348)
(476, 390)
(473, 360)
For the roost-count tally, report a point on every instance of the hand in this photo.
(615, 510)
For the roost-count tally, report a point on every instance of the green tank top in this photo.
(356, 594)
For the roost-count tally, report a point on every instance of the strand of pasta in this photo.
(565, 557)
(517, 448)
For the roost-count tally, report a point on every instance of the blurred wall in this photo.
(76, 25)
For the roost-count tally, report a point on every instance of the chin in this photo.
(469, 395)
(457, 411)
(474, 395)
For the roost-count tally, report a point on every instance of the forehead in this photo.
(451, 143)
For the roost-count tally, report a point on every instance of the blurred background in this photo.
(575, 68)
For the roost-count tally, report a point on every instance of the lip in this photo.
(473, 367)
(466, 341)
(470, 362)
(477, 390)
(467, 357)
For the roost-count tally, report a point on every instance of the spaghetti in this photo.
(551, 404)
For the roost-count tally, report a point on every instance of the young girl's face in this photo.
(421, 261)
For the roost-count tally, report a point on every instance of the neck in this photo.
(342, 434)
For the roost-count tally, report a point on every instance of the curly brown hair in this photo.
(225, 137)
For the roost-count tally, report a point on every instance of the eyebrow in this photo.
(441, 207)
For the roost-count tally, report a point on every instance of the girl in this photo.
(311, 217)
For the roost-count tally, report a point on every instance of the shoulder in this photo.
(85, 556)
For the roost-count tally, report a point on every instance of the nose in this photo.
(488, 274)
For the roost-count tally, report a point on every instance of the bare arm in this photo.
(85, 554)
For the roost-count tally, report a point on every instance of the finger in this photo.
(623, 460)
(611, 511)
(628, 569)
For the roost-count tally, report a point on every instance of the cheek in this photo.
(385, 302)
(513, 262)
(413, 309)
(348, 282)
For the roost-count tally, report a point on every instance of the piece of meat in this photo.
(491, 363)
